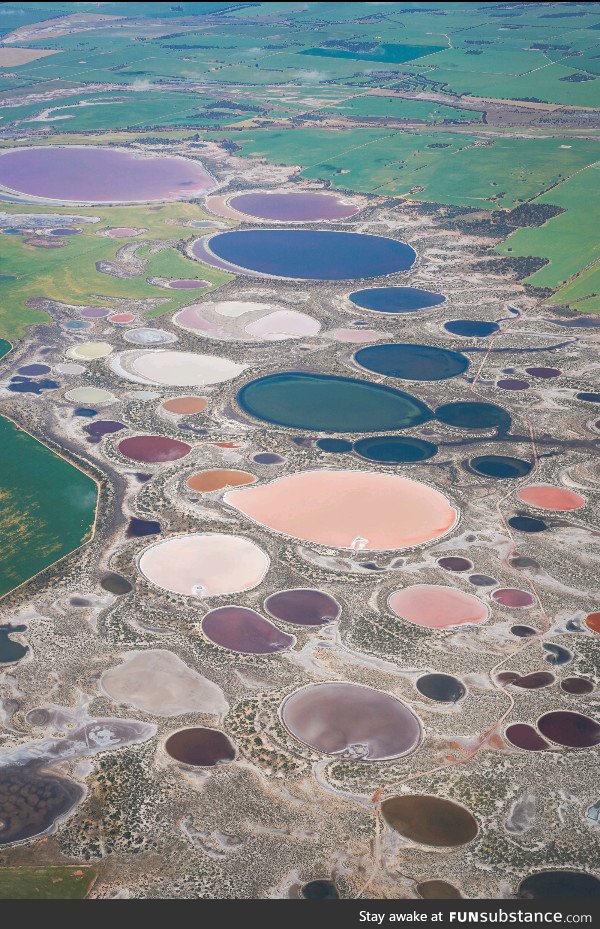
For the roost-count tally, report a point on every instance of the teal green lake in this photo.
(46, 506)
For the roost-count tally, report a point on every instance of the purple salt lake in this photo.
(244, 630)
(188, 284)
(352, 721)
(101, 175)
(102, 427)
(93, 312)
(303, 607)
(293, 206)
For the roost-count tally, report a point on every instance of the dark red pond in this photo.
(572, 730)
(534, 681)
(201, 747)
(455, 563)
(154, 448)
(526, 737)
(577, 685)
(303, 607)
(357, 722)
(244, 630)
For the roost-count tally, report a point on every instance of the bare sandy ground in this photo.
(159, 682)
(11, 57)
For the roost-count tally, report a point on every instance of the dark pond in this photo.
(328, 403)
(79, 602)
(534, 681)
(303, 607)
(33, 370)
(292, 206)
(101, 428)
(512, 383)
(527, 523)
(312, 255)
(320, 890)
(543, 373)
(395, 299)
(583, 322)
(513, 597)
(438, 890)
(455, 563)
(24, 386)
(470, 414)
(573, 730)
(500, 466)
(116, 584)
(141, 527)
(522, 562)
(523, 632)
(244, 630)
(430, 820)
(388, 449)
(351, 721)
(201, 747)
(526, 737)
(471, 328)
(560, 885)
(335, 446)
(482, 580)
(412, 362)
(268, 458)
(65, 231)
(557, 655)
(84, 411)
(32, 800)
(589, 397)
(9, 649)
(441, 687)
(577, 685)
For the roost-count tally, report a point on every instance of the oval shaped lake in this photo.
(395, 299)
(81, 174)
(430, 820)
(329, 403)
(200, 747)
(303, 607)
(293, 206)
(359, 510)
(352, 721)
(312, 255)
(241, 629)
(412, 362)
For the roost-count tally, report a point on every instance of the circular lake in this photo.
(303, 607)
(312, 255)
(395, 299)
(293, 206)
(243, 630)
(437, 607)
(81, 174)
(390, 449)
(412, 362)
(200, 747)
(351, 720)
(329, 403)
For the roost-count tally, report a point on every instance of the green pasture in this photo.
(72, 882)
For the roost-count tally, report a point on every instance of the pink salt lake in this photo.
(437, 607)
(549, 497)
(360, 510)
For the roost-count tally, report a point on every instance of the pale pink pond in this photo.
(549, 497)
(101, 175)
(437, 607)
(359, 510)
(204, 564)
(352, 721)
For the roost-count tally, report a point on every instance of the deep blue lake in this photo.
(412, 362)
(312, 255)
(471, 328)
(395, 299)
(502, 466)
(330, 404)
(471, 414)
(390, 449)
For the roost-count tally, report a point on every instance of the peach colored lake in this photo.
(549, 497)
(204, 564)
(437, 607)
(359, 510)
